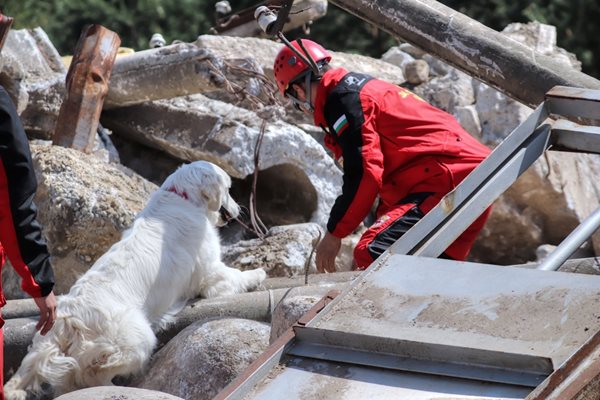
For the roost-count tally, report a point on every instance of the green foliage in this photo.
(133, 20)
(136, 20)
(341, 31)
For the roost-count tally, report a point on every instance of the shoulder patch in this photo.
(340, 125)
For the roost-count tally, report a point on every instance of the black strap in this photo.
(415, 198)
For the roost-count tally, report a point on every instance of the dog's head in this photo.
(207, 186)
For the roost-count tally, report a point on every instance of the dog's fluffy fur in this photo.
(105, 325)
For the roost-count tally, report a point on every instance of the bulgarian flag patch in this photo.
(340, 125)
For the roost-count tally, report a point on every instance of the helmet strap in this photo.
(306, 104)
(307, 91)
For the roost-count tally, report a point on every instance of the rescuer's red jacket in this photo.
(391, 143)
(20, 234)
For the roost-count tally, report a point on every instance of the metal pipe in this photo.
(22, 308)
(258, 306)
(572, 242)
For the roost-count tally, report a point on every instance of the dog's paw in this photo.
(259, 276)
(15, 394)
(262, 274)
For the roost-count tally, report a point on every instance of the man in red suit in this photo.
(391, 143)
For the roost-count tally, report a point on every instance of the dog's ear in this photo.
(212, 194)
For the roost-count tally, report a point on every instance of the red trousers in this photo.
(390, 226)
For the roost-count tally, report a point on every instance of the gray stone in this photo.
(32, 72)
(116, 393)
(285, 250)
(437, 67)
(397, 57)
(469, 119)
(416, 72)
(288, 311)
(83, 205)
(498, 114)
(412, 50)
(206, 356)
(450, 91)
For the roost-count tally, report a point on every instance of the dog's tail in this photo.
(44, 365)
(47, 362)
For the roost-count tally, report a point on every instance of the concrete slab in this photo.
(456, 311)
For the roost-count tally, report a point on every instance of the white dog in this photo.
(105, 325)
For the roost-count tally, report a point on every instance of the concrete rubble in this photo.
(216, 350)
(32, 71)
(85, 201)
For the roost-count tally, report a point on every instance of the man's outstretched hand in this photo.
(327, 251)
(47, 306)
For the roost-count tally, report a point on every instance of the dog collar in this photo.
(180, 194)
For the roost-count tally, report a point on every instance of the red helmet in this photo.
(288, 66)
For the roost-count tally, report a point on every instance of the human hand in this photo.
(327, 251)
(47, 306)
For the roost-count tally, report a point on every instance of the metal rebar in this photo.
(572, 242)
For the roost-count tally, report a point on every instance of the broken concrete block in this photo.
(542, 207)
(302, 180)
(397, 57)
(285, 251)
(498, 114)
(217, 351)
(176, 70)
(542, 38)
(83, 205)
(264, 51)
(32, 72)
(450, 91)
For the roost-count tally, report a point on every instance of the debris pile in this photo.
(212, 99)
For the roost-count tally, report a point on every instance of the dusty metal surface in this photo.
(574, 101)
(424, 328)
(271, 358)
(517, 311)
(299, 378)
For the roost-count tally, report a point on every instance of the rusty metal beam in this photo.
(576, 379)
(87, 86)
(5, 24)
(273, 353)
(505, 64)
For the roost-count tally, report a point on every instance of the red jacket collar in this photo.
(328, 82)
